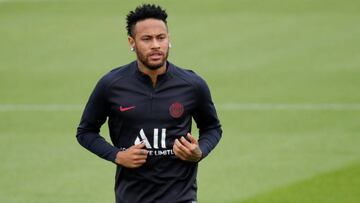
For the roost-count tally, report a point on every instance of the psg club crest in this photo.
(176, 110)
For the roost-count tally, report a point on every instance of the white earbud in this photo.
(169, 45)
(132, 49)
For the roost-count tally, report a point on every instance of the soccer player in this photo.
(150, 104)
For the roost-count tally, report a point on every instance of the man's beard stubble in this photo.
(145, 61)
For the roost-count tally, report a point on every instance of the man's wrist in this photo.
(118, 157)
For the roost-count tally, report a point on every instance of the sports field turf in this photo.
(285, 76)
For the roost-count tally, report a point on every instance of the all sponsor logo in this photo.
(158, 147)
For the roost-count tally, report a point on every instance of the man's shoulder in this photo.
(188, 75)
(118, 73)
(121, 71)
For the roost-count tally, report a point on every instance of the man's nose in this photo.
(155, 44)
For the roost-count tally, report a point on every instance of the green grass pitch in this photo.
(285, 76)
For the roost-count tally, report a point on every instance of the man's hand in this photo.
(187, 151)
(133, 157)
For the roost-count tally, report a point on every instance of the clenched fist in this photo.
(134, 157)
(187, 151)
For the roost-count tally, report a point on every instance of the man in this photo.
(150, 104)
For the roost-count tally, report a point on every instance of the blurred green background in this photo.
(285, 76)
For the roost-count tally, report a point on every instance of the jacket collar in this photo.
(143, 76)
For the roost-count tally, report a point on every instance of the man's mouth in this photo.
(155, 55)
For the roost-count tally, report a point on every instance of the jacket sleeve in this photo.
(206, 119)
(94, 116)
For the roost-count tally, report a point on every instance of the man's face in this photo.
(151, 43)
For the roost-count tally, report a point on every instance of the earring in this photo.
(132, 49)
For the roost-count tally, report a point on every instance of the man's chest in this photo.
(158, 116)
(162, 104)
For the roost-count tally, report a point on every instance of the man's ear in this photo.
(131, 42)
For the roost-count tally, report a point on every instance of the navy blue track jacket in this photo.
(138, 112)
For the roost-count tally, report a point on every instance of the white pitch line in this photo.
(289, 107)
(40, 107)
(24, 1)
(222, 107)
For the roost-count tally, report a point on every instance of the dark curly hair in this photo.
(143, 12)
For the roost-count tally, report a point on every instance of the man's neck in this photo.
(152, 73)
